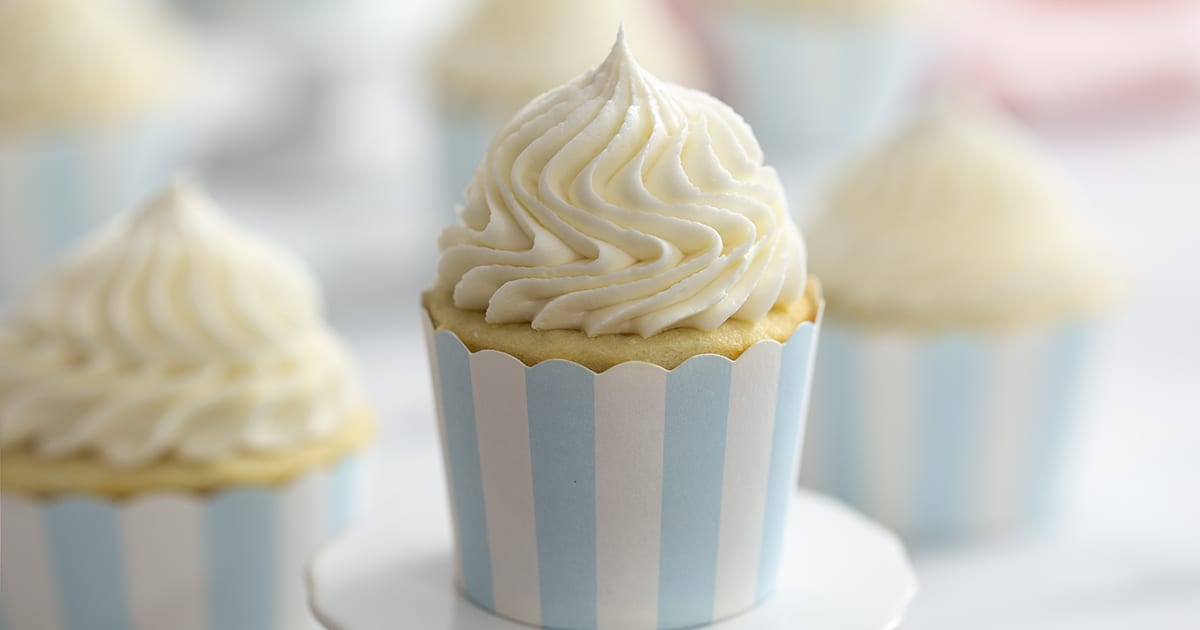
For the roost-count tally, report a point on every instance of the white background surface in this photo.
(360, 200)
(841, 572)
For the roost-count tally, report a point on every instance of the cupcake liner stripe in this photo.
(233, 561)
(55, 189)
(1068, 352)
(942, 436)
(636, 498)
(151, 532)
(239, 526)
(787, 438)
(467, 496)
(31, 601)
(630, 406)
(84, 569)
(948, 397)
(697, 411)
(562, 424)
(515, 547)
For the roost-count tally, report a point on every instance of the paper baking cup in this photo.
(943, 436)
(814, 90)
(55, 189)
(230, 561)
(635, 498)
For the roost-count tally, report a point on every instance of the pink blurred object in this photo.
(1078, 62)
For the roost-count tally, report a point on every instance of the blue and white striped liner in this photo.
(637, 498)
(814, 89)
(56, 189)
(231, 561)
(943, 436)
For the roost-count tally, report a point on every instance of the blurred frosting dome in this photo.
(957, 221)
(83, 62)
(509, 51)
(172, 334)
(621, 204)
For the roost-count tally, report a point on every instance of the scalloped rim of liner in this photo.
(431, 333)
(43, 501)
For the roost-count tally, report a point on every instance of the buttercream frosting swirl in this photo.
(173, 334)
(84, 62)
(618, 203)
(957, 220)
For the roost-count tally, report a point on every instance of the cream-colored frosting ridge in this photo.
(621, 204)
(958, 220)
(509, 51)
(173, 334)
(68, 63)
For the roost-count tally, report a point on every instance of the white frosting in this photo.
(172, 334)
(959, 219)
(71, 62)
(621, 204)
(507, 52)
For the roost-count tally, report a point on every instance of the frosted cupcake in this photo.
(817, 78)
(178, 431)
(962, 296)
(621, 333)
(506, 52)
(87, 92)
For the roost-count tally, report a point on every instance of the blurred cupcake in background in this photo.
(88, 93)
(817, 77)
(963, 297)
(179, 430)
(506, 52)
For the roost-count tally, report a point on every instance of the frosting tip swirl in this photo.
(172, 334)
(621, 204)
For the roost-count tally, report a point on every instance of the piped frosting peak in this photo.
(171, 334)
(619, 203)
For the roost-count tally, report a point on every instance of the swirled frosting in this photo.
(173, 334)
(83, 62)
(618, 203)
(958, 220)
(507, 52)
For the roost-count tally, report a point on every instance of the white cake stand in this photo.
(395, 572)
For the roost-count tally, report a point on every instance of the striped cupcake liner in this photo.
(814, 90)
(55, 189)
(230, 561)
(636, 498)
(944, 436)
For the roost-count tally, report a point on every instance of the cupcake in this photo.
(506, 52)
(178, 431)
(962, 297)
(621, 332)
(87, 93)
(817, 78)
